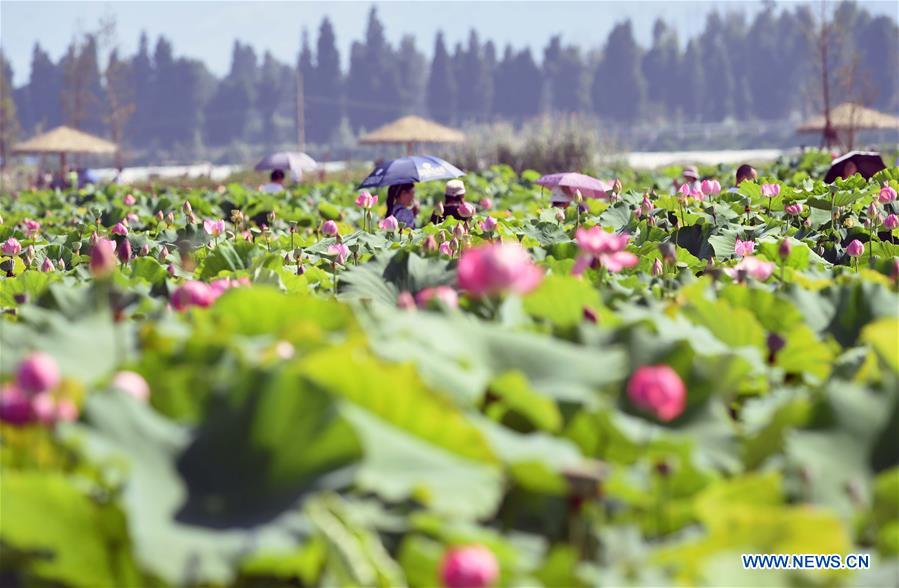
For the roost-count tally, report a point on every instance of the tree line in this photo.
(758, 69)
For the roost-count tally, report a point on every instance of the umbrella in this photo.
(590, 187)
(867, 163)
(62, 141)
(294, 161)
(410, 130)
(408, 170)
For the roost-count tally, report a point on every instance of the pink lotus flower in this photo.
(214, 228)
(61, 265)
(103, 258)
(646, 206)
(144, 250)
(486, 203)
(440, 294)
(891, 222)
(887, 194)
(658, 390)
(430, 244)
(657, 268)
(785, 248)
(170, 218)
(119, 229)
(37, 373)
(389, 224)
(466, 210)
(341, 251)
(329, 228)
(123, 251)
(472, 566)
(688, 191)
(49, 410)
(459, 231)
(708, 187)
(744, 248)
(129, 200)
(770, 190)
(132, 217)
(445, 249)
(11, 247)
(855, 248)
(605, 248)
(132, 384)
(219, 286)
(193, 293)
(496, 268)
(187, 208)
(405, 300)
(794, 209)
(47, 266)
(366, 200)
(15, 406)
(32, 227)
(488, 225)
(753, 267)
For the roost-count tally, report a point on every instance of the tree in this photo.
(82, 92)
(661, 68)
(691, 82)
(325, 92)
(413, 83)
(517, 82)
(374, 79)
(119, 95)
(474, 79)
(717, 100)
(442, 99)
(619, 89)
(43, 92)
(566, 77)
(272, 84)
(9, 122)
(142, 83)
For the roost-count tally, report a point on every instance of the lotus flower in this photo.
(488, 225)
(646, 206)
(785, 248)
(405, 300)
(658, 390)
(855, 248)
(47, 266)
(15, 406)
(709, 187)
(193, 293)
(794, 209)
(187, 208)
(32, 227)
(38, 372)
(486, 203)
(466, 210)
(48, 409)
(329, 228)
(11, 247)
(770, 190)
(129, 200)
(445, 249)
(389, 224)
(472, 566)
(119, 229)
(214, 228)
(430, 244)
(496, 268)
(103, 258)
(744, 248)
(753, 267)
(891, 222)
(605, 248)
(687, 191)
(366, 200)
(341, 251)
(132, 384)
(442, 294)
(123, 251)
(887, 194)
(657, 268)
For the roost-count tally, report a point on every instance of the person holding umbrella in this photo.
(275, 184)
(400, 199)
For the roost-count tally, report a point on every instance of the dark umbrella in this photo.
(867, 163)
(409, 170)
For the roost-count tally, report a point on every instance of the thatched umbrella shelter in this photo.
(410, 130)
(62, 141)
(849, 117)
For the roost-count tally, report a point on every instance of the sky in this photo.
(206, 29)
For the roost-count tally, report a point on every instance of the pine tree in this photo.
(413, 77)
(374, 79)
(142, 84)
(9, 122)
(474, 78)
(619, 89)
(718, 88)
(661, 68)
(326, 90)
(518, 82)
(272, 84)
(566, 78)
(442, 98)
(43, 92)
(691, 82)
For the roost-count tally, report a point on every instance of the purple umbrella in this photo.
(571, 181)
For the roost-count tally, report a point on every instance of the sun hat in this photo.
(690, 171)
(454, 188)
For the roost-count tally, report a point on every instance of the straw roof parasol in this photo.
(64, 140)
(851, 116)
(410, 130)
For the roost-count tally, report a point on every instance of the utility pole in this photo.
(300, 115)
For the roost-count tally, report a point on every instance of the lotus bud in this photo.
(144, 250)
(187, 208)
(405, 301)
(163, 253)
(784, 249)
(871, 209)
(170, 269)
(560, 216)
(430, 244)
(891, 222)
(459, 231)
(102, 258)
(170, 218)
(61, 265)
(29, 254)
(855, 248)
(159, 215)
(47, 266)
(37, 373)
(657, 268)
(668, 251)
(123, 251)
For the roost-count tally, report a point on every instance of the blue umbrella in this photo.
(409, 170)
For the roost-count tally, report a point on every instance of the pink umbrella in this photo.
(571, 181)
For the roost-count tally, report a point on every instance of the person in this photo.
(560, 198)
(400, 199)
(276, 182)
(849, 170)
(453, 198)
(746, 172)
